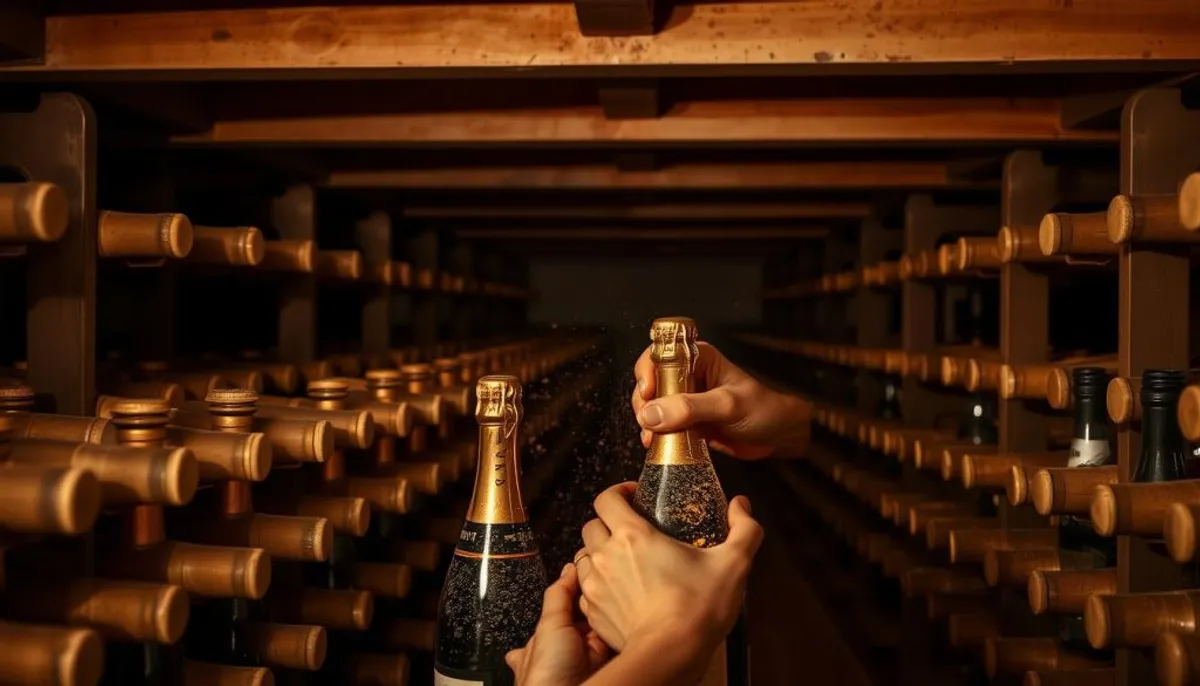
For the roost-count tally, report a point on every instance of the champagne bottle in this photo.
(492, 596)
(39, 655)
(678, 489)
(32, 212)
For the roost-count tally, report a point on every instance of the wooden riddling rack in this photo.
(1087, 259)
(122, 307)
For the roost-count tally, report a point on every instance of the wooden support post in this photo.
(1159, 147)
(1030, 188)
(57, 143)
(294, 215)
(374, 239)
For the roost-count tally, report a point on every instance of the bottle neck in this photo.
(673, 379)
(1091, 423)
(1162, 455)
(679, 447)
(497, 496)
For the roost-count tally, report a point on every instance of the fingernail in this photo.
(746, 505)
(651, 416)
(641, 387)
(564, 570)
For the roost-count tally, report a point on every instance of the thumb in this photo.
(558, 603)
(678, 412)
(745, 533)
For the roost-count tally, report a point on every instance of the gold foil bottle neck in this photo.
(417, 372)
(231, 398)
(383, 378)
(674, 341)
(328, 389)
(498, 401)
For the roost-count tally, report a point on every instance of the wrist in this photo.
(685, 646)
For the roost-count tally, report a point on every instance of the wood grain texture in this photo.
(840, 120)
(813, 175)
(820, 33)
(660, 212)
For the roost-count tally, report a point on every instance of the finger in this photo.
(637, 401)
(682, 411)
(598, 650)
(595, 534)
(646, 436)
(745, 534)
(514, 658)
(712, 368)
(584, 605)
(583, 566)
(614, 510)
(558, 603)
(643, 372)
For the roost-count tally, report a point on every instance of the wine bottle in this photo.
(37, 655)
(331, 608)
(1067, 591)
(492, 596)
(37, 499)
(1163, 455)
(297, 256)
(1090, 447)
(1136, 620)
(1140, 507)
(1015, 656)
(33, 212)
(147, 238)
(344, 265)
(127, 475)
(1062, 233)
(678, 489)
(233, 246)
(118, 610)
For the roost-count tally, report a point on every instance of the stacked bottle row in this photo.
(974, 368)
(1067, 566)
(37, 212)
(1165, 218)
(200, 530)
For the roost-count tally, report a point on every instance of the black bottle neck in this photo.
(1163, 457)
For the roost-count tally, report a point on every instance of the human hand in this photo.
(730, 409)
(562, 651)
(641, 585)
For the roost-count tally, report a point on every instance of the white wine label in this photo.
(1088, 453)
(440, 679)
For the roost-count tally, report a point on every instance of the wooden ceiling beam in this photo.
(809, 36)
(659, 235)
(871, 175)
(978, 121)
(660, 212)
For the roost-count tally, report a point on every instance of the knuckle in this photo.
(591, 587)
